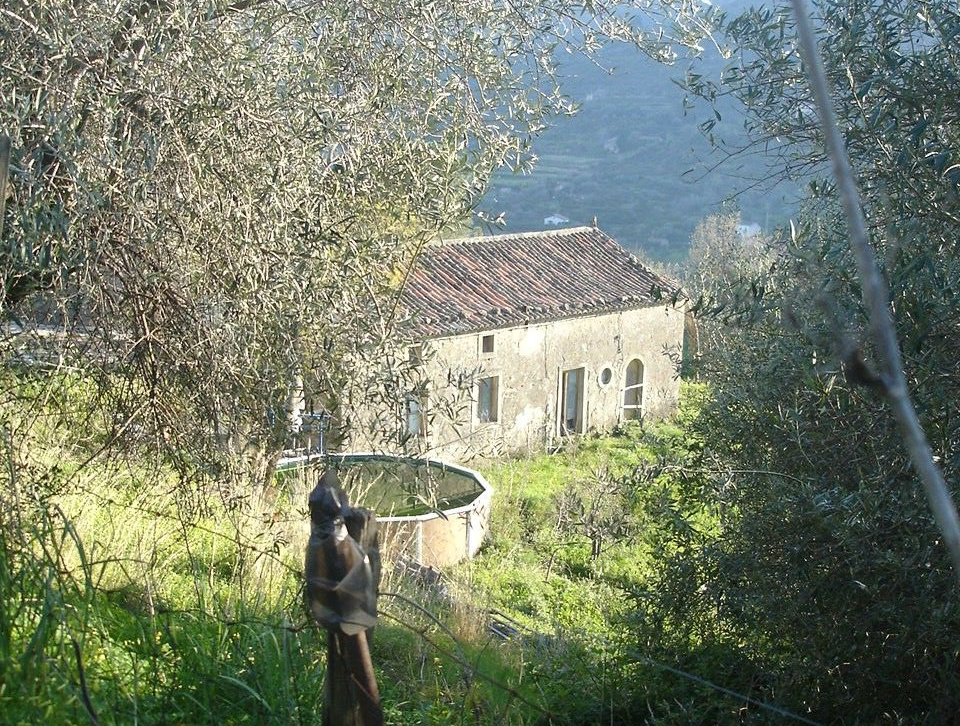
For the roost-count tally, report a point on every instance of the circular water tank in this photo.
(430, 512)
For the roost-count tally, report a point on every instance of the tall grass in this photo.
(118, 612)
(172, 621)
(131, 596)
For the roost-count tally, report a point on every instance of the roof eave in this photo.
(548, 317)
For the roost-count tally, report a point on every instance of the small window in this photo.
(415, 423)
(487, 400)
(606, 375)
(486, 344)
(633, 391)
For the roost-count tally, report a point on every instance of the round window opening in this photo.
(606, 375)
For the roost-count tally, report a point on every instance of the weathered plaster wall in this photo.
(529, 361)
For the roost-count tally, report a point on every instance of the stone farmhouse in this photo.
(524, 339)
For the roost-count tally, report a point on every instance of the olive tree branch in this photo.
(4, 167)
(893, 382)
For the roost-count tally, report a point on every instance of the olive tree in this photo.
(217, 201)
(828, 569)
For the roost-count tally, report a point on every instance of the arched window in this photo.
(633, 391)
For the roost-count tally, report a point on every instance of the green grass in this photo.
(535, 481)
(179, 614)
(188, 628)
(183, 614)
(577, 608)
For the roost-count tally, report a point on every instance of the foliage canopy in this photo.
(828, 569)
(219, 199)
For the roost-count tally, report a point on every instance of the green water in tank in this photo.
(391, 486)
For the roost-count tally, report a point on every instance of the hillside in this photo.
(635, 159)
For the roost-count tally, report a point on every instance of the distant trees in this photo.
(725, 268)
(828, 571)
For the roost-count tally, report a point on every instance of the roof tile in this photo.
(481, 283)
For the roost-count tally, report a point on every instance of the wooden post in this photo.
(343, 574)
(352, 697)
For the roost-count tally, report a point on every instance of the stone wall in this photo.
(529, 362)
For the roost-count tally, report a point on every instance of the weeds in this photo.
(131, 596)
(122, 602)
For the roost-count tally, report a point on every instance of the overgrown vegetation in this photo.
(829, 566)
(767, 556)
(129, 595)
(578, 538)
(199, 619)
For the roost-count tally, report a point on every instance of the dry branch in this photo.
(4, 166)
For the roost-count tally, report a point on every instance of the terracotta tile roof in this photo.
(482, 283)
